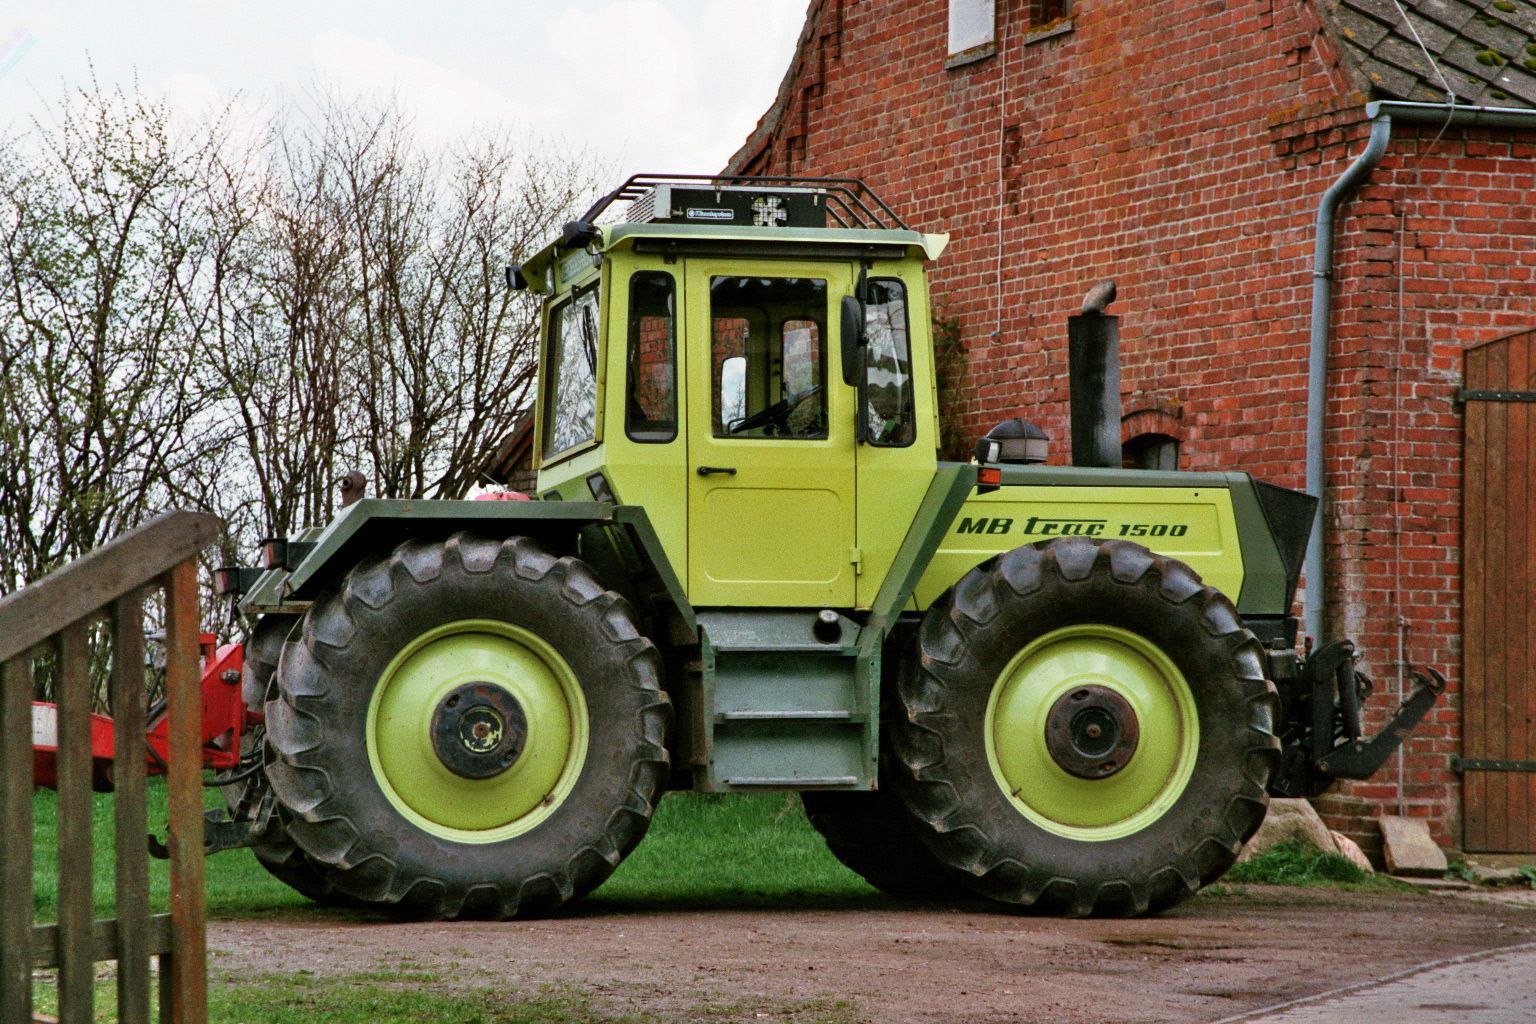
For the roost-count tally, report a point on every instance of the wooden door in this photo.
(1499, 597)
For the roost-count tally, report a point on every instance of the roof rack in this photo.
(850, 202)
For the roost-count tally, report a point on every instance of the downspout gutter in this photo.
(1381, 115)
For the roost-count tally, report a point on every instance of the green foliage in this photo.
(1297, 863)
(1528, 872)
(1460, 870)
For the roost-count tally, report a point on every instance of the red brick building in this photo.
(1184, 148)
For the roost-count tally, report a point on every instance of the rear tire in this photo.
(468, 728)
(990, 748)
(874, 835)
(276, 853)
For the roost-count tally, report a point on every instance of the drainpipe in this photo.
(1381, 115)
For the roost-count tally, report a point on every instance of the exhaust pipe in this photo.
(1093, 377)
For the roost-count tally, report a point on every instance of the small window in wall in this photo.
(650, 406)
(972, 31)
(1043, 12)
(1150, 451)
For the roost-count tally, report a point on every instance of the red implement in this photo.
(225, 717)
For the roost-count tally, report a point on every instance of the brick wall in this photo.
(1181, 148)
(1438, 254)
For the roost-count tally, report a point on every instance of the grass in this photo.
(368, 999)
(410, 996)
(236, 885)
(278, 999)
(702, 851)
(1296, 863)
(751, 850)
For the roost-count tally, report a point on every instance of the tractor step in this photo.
(790, 702)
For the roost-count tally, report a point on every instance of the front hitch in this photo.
(1320, 721)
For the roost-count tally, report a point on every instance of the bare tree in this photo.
(98, 241)
(188, 320)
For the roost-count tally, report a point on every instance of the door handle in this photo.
(712, 470)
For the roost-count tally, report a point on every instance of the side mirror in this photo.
(853, 340)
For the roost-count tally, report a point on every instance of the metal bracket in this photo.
(1360, 759)
(1465, 395)
(1482, 764)
(223, 831)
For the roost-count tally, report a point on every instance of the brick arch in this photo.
(1152, 415)
(1151, 433)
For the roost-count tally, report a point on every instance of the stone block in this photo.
(1409, 849)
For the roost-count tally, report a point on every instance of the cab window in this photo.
(890, 420)
(768, 357)
(650, 397)
(571, 398)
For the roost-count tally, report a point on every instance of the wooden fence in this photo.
(58, 613)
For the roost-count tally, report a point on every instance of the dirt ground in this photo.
(1219, 956)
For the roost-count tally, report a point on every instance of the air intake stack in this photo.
(1093, 374)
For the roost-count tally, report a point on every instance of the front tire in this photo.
(1090, 730)
(468, 728)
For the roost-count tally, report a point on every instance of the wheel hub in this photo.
(1092, 732)
(479, 730)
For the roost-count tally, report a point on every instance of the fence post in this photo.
(188, 966)
(16, 839)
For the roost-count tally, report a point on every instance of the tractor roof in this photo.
(722, 215)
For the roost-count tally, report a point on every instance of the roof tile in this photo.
(1481, 47)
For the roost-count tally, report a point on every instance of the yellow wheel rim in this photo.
(399, 731)
(1138, 672)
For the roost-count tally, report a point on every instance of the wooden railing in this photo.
(59, 612)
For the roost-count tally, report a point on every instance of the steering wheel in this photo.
(778, 413)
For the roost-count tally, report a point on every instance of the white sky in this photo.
(645, 85)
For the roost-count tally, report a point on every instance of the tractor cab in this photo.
(748, 360)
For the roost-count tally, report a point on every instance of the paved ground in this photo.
(1488, 988)
(1240, 950)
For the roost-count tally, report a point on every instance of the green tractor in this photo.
(745, 570)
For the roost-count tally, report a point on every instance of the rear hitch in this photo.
(1320, 729)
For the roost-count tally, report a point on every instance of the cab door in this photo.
(770, 442)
